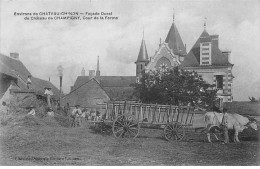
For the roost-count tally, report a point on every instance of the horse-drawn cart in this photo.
(127, 118)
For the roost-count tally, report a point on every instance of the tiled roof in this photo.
(174, 41)
(120, 93)
(143, 55)
(87, 95)
(193, 57)
(117, 87)
(107, 81)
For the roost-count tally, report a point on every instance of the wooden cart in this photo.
(126, 118)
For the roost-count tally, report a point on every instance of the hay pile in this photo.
(19, 107)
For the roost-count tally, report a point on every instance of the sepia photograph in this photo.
(129, 82)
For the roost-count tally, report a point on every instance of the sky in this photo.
(44, 44)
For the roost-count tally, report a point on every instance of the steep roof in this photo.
(143, 55)
(5, 70)
(86, 95)
(193, 57)
(15, 65)
(117, 87)
(15, 68)
(174, 41)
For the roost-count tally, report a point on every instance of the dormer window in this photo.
(205, 53)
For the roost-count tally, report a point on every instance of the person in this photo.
(225, 125)
(29, 82)
(4, 107)
(67, 109)
(75, 115)
(50, 112)
(49, 93)
(32, 111)
(216, 109)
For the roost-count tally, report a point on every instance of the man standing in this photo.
(29, 82)
(225, 125)
(75, 115)
(49, 93)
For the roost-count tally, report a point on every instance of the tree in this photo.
(175, 86)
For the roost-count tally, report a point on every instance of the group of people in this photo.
(79, 117)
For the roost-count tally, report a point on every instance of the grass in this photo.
(34, 144)
(248, 108)
(41, 140)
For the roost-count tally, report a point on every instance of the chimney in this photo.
(91, 74)
(71, 88)
(214, 39)
(83, 72)
(227, 53)
(14, 55)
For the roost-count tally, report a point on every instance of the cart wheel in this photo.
(126, 126)
(174, 131)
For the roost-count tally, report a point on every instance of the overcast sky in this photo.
(43, 45)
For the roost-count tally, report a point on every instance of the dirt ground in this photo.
(32, 143)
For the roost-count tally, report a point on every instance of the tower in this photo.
(98, 71)
(142, 59)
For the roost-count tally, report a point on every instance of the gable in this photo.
(163, 56)
(193, 57)
(87, 95)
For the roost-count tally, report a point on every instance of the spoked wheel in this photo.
(174, 131)
(126, 126)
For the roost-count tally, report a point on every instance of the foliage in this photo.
(175, 86)
(252, 99)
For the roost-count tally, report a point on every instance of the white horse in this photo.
(234, 121)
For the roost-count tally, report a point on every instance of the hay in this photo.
(18, 113)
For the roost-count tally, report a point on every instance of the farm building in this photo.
(92, 89)
(205, 57)
(14, 77)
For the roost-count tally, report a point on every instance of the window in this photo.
(205, 63)
(219, 80)
(141, 66)
(205, 58)
(205, 53)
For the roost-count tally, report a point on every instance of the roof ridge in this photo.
(80, 86)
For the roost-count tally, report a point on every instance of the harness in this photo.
(215, 116)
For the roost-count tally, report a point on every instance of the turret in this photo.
(142, 59)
